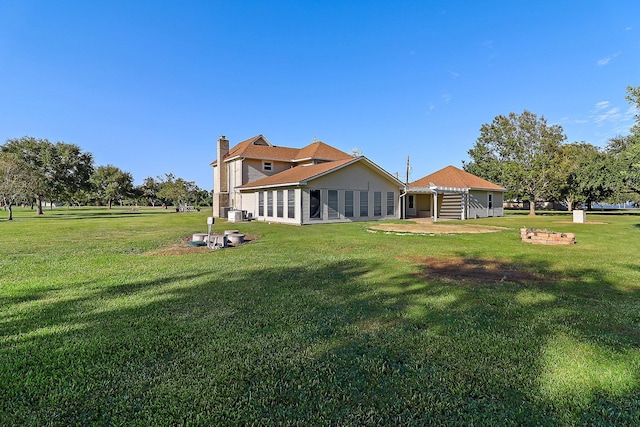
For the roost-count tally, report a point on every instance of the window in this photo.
(333, 204)
(377, 203)
(291, 204)
(391, 203)
(411, 202)
(490, 201)
(364, 203)
(267, 166)
(280, 203)
(315, 210)
(261, 203)
(269, 203)
(348, 204)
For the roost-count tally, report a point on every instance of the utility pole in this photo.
(408, 168)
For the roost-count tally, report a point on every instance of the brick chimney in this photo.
(220, 178)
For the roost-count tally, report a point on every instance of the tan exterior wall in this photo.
(423, 204)
(253, 169)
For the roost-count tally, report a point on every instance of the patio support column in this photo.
(435, 206)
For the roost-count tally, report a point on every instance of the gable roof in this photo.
(258, 147)
(300, 175)
(320, 151)
(451, 176)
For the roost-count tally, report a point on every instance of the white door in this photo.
(411, 205)
(489, 204)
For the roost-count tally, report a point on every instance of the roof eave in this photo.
(263, 187)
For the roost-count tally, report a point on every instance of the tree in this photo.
(38, 154)
(586, 173)
(72, 172)
(17, 180)
(630, 156)
(595, 179)
(625, 154)
(148, 191)
(521, 153)
(111, 183)
(178, 190)
(62, 169)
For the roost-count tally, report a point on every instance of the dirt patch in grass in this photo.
(476, 270)
(183, 249)
(429, 227)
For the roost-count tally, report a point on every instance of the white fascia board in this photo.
(489, 189)
(266, 187)
(438, 189)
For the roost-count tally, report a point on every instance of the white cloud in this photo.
(430, 108)
(606, 60)
(454, 74)
(631, 113)
(446, 98)
(612, 115)
(603, 113)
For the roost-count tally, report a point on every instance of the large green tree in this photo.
(586, 175)
(39, 154)
(521, 153)
(17, 180)
(626, 149)
(111, 183)
(148, 191)
(177, 190)
(73, 169)
(60, 169)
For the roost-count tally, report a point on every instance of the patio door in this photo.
(489, 204)
(411, 205)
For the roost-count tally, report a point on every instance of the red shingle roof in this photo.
(299, 174)
(259, 147)
(321, 151)
(451, 176)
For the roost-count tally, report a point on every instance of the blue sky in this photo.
(149, 86)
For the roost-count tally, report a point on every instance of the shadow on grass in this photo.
(97, 215)
(339, 343)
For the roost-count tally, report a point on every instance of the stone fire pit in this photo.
(545, 237)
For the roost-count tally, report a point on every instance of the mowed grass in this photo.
(316, 325)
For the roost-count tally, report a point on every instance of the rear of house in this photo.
(342, 191)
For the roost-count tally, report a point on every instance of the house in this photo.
(315, 184)
(453, 194)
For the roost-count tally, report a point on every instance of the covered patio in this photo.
(436, 202)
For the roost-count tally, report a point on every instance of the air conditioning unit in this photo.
(235, 216)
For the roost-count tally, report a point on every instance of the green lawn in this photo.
(316, 325)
